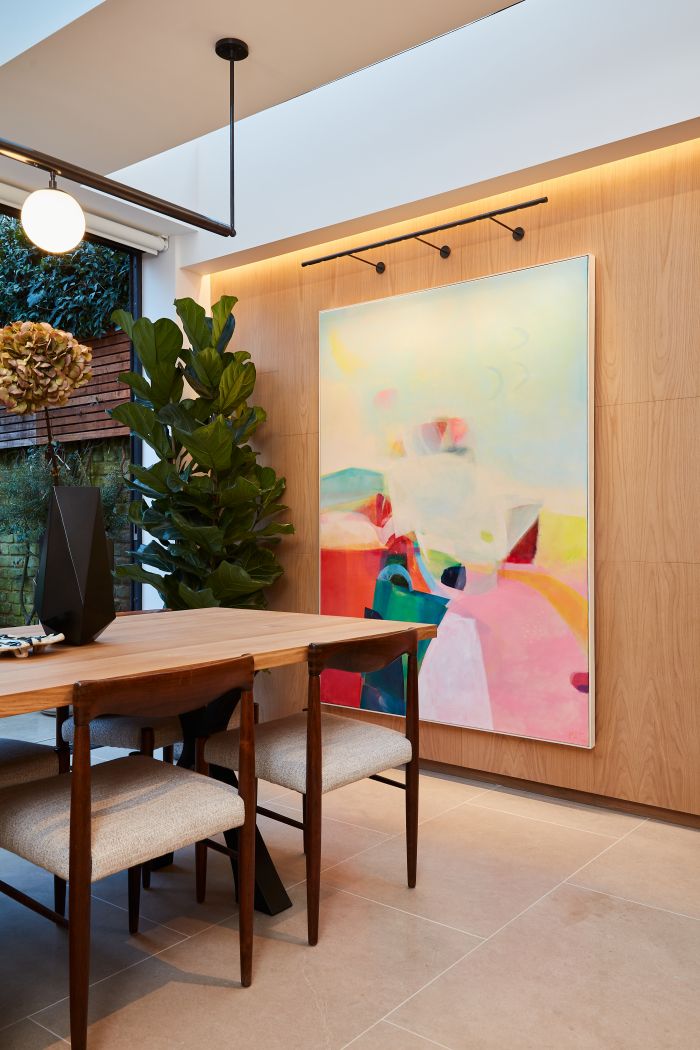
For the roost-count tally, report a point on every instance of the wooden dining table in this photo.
(168, 640)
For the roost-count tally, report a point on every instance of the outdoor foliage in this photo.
(211, 509)
(76, 292)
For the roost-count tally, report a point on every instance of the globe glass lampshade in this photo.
(53, 220)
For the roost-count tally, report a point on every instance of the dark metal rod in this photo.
(353, 256)
(231, 159)
(505, 227)
(93, 181)
(423, 241)
(427, 232)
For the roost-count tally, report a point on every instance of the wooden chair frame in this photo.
(359, 656)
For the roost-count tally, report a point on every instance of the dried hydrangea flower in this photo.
(40, 366)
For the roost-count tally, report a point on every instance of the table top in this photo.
(163, 640)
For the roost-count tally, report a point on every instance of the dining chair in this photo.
(22, 761)
(124, 812)
(315, 752)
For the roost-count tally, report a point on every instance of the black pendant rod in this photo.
(417, 234)
(230, 48)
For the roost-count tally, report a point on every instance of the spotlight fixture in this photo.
(54, 220)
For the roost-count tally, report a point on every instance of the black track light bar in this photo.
(518, 234)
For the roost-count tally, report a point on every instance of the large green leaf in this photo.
(223, 321)
(143, 422)
(123, 320)
(207, 367)
(209, 537)
(178, 416)
(194, 321)
(240, 491)
(203, 599)
(231, 581)
(138, 383)
(139, 575)
(210, 446)
(236, 385)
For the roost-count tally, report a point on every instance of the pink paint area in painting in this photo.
(528, 657)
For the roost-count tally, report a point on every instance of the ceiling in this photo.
(131, 78)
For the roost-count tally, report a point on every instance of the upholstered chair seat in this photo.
(352, 750)
(127, 732)
(140, 809)
(22, 761)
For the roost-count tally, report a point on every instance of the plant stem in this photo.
(51, 451)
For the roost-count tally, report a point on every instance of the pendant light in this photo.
(52, 219)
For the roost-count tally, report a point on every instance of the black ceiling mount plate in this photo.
(231, 48)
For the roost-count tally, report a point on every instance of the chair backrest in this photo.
(362, 654)
(158, 693)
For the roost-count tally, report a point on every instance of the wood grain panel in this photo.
(640, 218)
(647, 496)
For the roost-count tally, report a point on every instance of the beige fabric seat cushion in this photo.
(141, 808)
(22, 761)
(351, 749)
(125, 731)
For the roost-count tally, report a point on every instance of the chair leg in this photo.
(412, 821)
(59, 895)
(146, 876)
(200, 858)
(134, 898)
(246, 893)
(79, 951)
(303, 820)
(169, 754)
(312, 825)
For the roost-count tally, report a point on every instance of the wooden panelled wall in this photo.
(640, 218)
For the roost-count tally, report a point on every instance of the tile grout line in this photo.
(552, 823)
(154, 922)
(492, 935)
(631, 900)
(408, 1031)
(411, 914)
(49, 1030)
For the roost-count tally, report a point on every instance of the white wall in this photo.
(526, 91)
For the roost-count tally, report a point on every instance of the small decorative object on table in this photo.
(27, 644)
(40, 367)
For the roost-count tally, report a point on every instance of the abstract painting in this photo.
(456, 489)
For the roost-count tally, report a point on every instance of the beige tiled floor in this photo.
(535, 924)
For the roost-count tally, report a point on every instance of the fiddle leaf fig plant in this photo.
(212, 511)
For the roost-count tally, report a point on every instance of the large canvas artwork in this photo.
(456, 482)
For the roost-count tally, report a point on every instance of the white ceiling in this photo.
(131, 78)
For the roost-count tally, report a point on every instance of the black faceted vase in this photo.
(74, 587)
